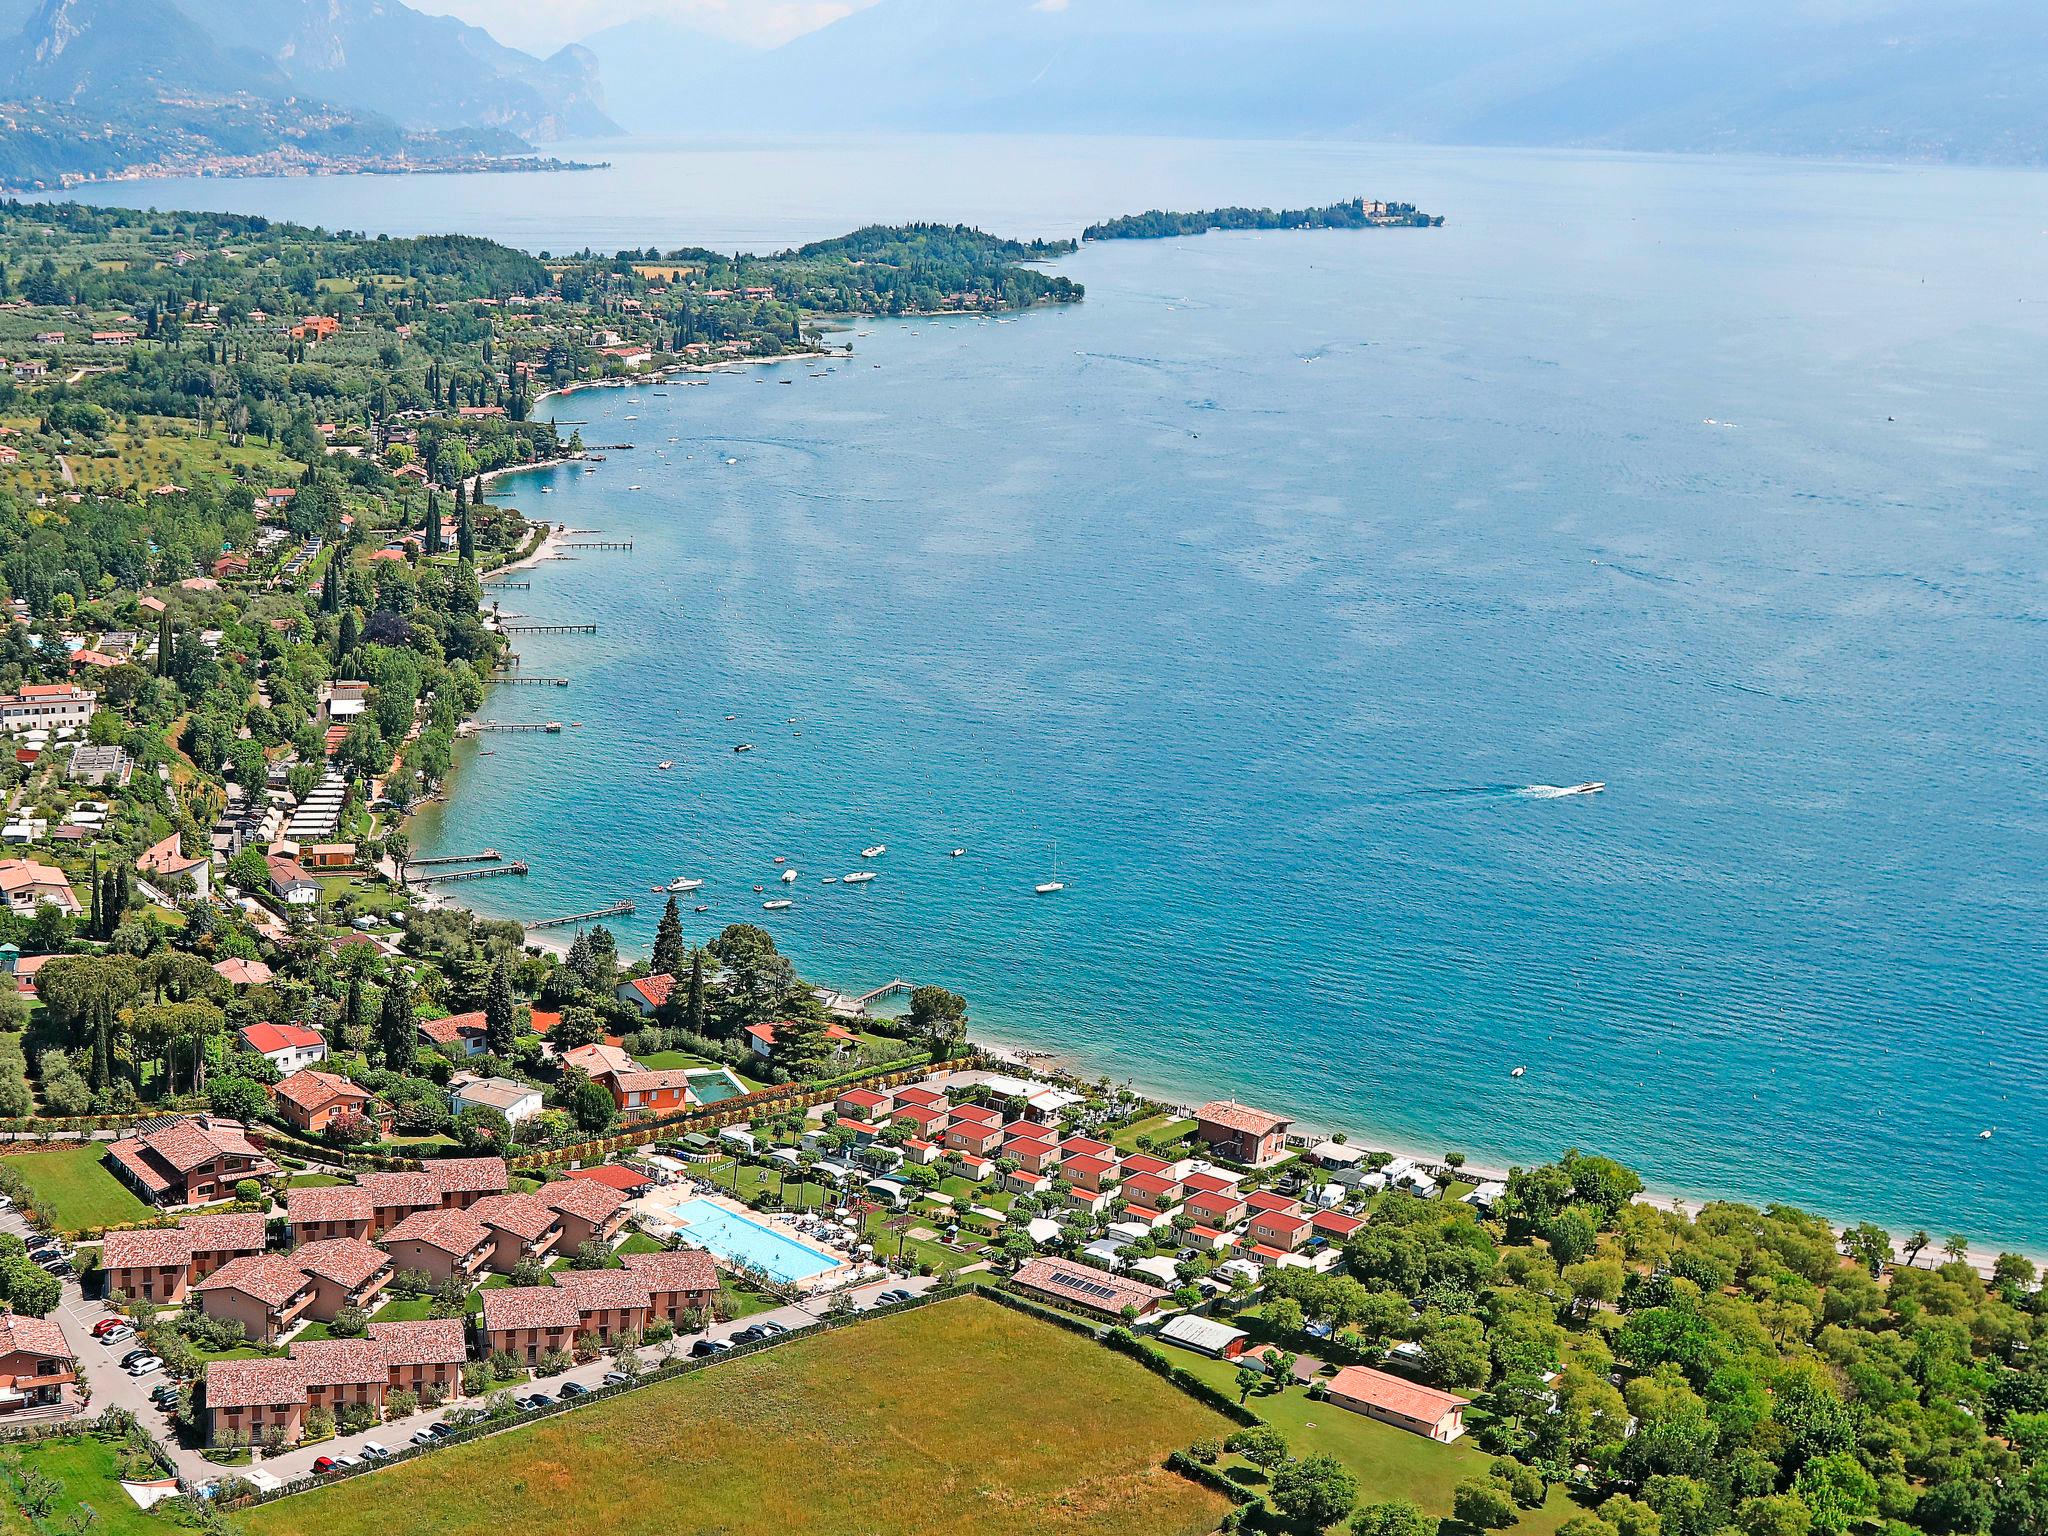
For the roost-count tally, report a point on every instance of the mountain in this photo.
(92, 88)
(1950, 79)
(654, 70)
(428, 72)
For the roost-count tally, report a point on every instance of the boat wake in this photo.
(1557, 791)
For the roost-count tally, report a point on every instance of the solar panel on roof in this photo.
(1086, 1287)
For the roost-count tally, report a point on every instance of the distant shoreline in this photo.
(507, 165)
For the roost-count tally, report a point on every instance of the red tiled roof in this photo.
(598, 1290)
(265, 1038)
(1242, 1118)
(1280, 1221)
(455, 1232)
(148, 1248)
(1079, 1285)
(243, 973)
(686, 1269)
(1083, 1146)
(522, 1215)
(1394, 1394)
(529, 1306)
(1138, 1162)
(617, 1177)
(654, 989)
(1336, 1223)
(1087, 1167)
(1213, 1202)
(270, 1277)
(1266, 1200)
(1149, 1184)
(347, 1261)
(429, 1341)
(452, 1029)
(592, 1202)
(34, 1336)
(313, 1091)
(332, 1202)
(398, 1191)
(544, 1021)
(340, 1362)
(651, 1082)
(1210, 1184)
(254, 1383)
(468, 1175)
(226, 1231)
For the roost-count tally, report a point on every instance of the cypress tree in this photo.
(668, 941)
(352, 1013)
(465, 539)
(694, 1015)
(396, 1031)
(498, 1009)
(166, 642)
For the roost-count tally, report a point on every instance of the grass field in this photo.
(965, 1419)
(74, 1190)
(87, 1469)
(1389, 1463)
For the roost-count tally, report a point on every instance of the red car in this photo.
(107, 1325)
(323, 1464)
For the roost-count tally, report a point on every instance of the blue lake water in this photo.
(1267, 583)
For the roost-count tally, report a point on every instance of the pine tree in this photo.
(498, 1010)
(396, 1031)
(465, 539)
(668, 941)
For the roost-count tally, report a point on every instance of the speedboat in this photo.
(1592, 788)
(745, 746)
(665, 764)
(1048, 887)
(789, 877)
(1518, 1072)
(777, 905)
(680, 885)
(780, 859)
(875, 852)
(859, 877)
(829, 880)
(958, 852)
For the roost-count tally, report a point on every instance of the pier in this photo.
(488, 856)
(552, 727)
(490, 872)
(616, 909)
(603, 544)
(506, 586)
(886, 989)
(534, 680)
(550, 629)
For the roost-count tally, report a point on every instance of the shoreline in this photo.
(1040, 1058)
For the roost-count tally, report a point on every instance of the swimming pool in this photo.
(713, 1085)
(741, 1241)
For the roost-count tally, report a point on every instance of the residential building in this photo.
(36, 1365)
(516, 1101)
(647, 994)
(443, 1245)
(218, 1237)
(839, 1041)
(641, 1092)
(527, 1322)
(342, 1272)
(28, 885)
(520, 1227)
(864, 1105)
(287, 1047)
(187, 1159)
(330, 1211)
(342, 1373)
(1425, 1411)
(290, 883)
(1285, 1230)
(246, 1398)
(1216, 1208)
(159, 1264)
(1151, 1191)
(48, 707)
(599, 1062)
(609, 1302)
(266, 1293)
(1091, 1290)
(979, 1140)
(588, 1211)
(424, 1356)
(1089, 1173)
(458, 1035)
(1242, 1134)
(678, 1283)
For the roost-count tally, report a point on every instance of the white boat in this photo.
(1046, 888)
(875, 852)
(1983, 1135)
(777, 905)
(958, 852)
(745, 746)
(1518, 1072)
(665, 764)
(1592, 788)
(789, 877)
(859, 877)
(829, 880)
(681, 885)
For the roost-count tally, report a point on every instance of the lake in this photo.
(1265, 592)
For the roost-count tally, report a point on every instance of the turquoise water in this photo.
(1268, 582)
(715, 1087)
(710, 1226)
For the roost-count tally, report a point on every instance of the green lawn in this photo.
(314, 1181)
(672, 1061)
(931, 1423)
(1162, 1129)
(1388, 1462)
(404, 1309)
(74, 1190)
(87, 1469)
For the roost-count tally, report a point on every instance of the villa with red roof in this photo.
(1286, 1229)
(977, 1140)
(36, 1364)
(287, 1047)
(1216, 1208)
(458, 1035)
(1438, 1416)
(648, 994)
(528, 1321)
(863, 1104)
(311, 1101)
(647, 1092)
(187, 1159)
(761, 1039)
(1242, 1134)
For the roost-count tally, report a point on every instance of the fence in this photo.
(668, 1372)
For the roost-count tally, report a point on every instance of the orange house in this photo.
(650, 1093)
(311, 1100)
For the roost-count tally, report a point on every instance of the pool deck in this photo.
(656, 1210)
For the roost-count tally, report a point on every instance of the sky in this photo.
(544, 25)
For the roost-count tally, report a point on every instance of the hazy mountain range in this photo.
(1943, 79)
(88, 87)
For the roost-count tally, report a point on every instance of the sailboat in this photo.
(1054, 884)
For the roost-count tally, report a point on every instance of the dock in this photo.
(489, 872)
(603, 544)
(886, 989)
(534, 680)
(506, 586)
(616, 909)
(488, 856)
(550, 629)
(552, 727)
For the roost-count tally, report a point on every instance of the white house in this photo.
(515, 1101)
(288, 1047)
(48, 706)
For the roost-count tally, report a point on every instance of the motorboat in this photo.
(681, 885)
(789, 877)
(1591, 788)
(959, 853)
(859, 877)
(777, 905)
(745, 746)
(875, 852)
(665, 764)
(829, 880)
(1518, 1072)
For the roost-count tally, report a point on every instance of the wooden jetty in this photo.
(506, 586)
(488, 856)
(886, 989)
(603, 544)
(535, 680)
(616, 909)
(550, 629)
(490, 872)
(552, 727)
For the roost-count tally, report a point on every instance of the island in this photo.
(1358, 213)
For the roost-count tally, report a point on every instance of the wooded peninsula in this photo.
(1358, 213)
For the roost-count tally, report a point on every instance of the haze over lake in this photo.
(1267, 584)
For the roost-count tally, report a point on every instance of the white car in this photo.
(120, 1335)
(145, 1366)
(372, 1451)
(347, 1461)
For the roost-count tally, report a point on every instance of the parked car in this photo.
(345, 1463)
(702, 1348)
(145, 1366)
(119, 1335)
(324, 1464)
(768, 1330)
(442, 1430)
(614, 1378)
(891, 1298)
(574, 1389)
(134, 1355)
(57, 1266)
(425, 1437)
(107, 1325)
(533, 1400)
(372, 1451)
